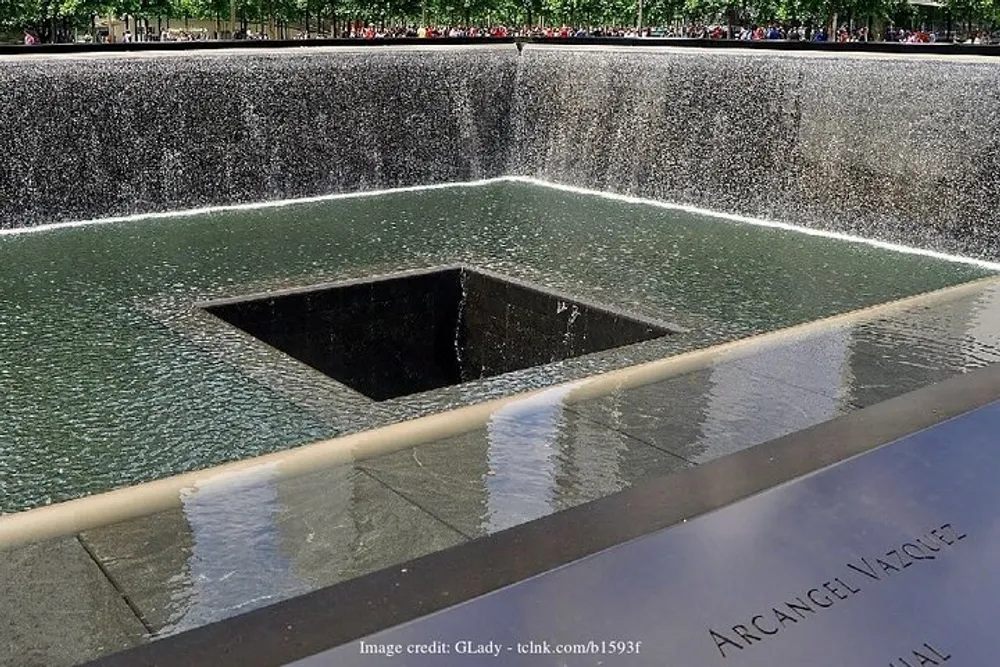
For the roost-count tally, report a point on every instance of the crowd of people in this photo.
(746, 33)
(845, 33)
(773, 31)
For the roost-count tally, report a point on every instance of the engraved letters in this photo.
(921, 657)
(924, 549)
(770, 622)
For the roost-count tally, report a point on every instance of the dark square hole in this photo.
(400, 335)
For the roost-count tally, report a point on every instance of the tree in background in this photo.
(51, 19)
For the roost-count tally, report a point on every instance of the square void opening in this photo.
(399, 335)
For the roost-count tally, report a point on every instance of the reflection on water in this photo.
(816, 363)
(893, 355)
(236, 560)
(523, 438)
(242, 541)
(765, 396)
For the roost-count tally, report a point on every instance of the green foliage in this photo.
(18, 14)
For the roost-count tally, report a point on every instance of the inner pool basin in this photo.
(113, 373)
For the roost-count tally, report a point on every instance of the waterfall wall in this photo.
(104, 135)
(902, 148)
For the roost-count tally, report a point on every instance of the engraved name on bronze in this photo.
(790, 612)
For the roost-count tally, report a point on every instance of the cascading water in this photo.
(573, 315)
(460, 320)
(107, 135)
(903, 149)
(814, 139)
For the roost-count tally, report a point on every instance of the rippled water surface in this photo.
(109, 375)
